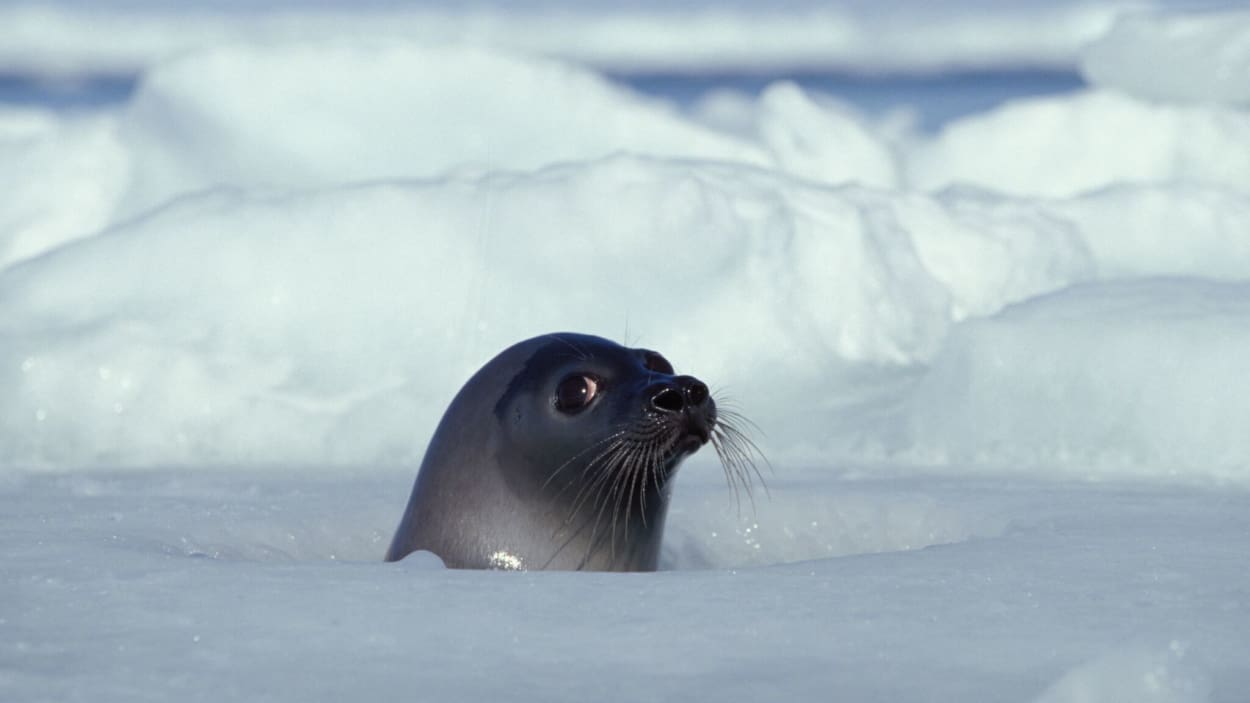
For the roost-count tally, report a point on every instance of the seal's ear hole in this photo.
(657, 363)
(575, 392)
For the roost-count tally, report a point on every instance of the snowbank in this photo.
(359, 111)
(1067, 145)
(61, 178)
(332, 325)
(823, 141)
(1165, 110)
(350, 112)
(1146, 377)
(67, 38)
(1134, 674)
(231, 327)
(1189, 57)
(1176, 229)
(307, 274)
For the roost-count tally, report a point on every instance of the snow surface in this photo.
(1189, 57)
(66, 38)
(209, 585)
(1068, 145)
(999, 371)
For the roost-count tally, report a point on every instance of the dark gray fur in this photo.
(508, 481)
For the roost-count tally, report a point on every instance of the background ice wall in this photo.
(227, 272)
(66, 37)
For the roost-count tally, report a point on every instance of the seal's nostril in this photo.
(668, 399)
(697, 392)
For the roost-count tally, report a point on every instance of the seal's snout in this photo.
(687, 398)
(682, 393)
(696, 392)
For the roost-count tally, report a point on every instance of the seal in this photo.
(559, 453)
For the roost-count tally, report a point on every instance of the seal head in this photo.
(558, 454)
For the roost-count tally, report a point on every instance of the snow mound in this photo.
(60, 177)
(1068, 145)
(1163, 230)
(66, 38)
(1140, 675)
(823, 141)
(1146, 377)
(228, 273)
(358, 111)
(1189, 57)
(333, 325)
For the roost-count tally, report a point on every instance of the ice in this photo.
(1133, 674)
(352, 111)
(1187, 57)
(526, 113)
(247, 306)
(49, 161)
(197, 586)
(826, 143)
(68, 37)
(1134, 377)
(998, 371)
(1163, 230)
(1068, 145)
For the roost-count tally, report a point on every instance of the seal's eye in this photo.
(657, 363)
(575, 393)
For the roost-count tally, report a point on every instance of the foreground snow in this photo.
(206, 586)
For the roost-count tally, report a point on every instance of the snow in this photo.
(1068, 145)
(60, 38)
(1154, 365)
(822, 142)
(348, 112)
(216, 584)
(998, 369)
(78, 159)
(1192, 57)
(249, 304)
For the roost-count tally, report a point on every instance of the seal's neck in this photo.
(614, 524)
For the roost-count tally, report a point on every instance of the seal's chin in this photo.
(696, 431)
(688, 432)
(694, 434)
(687, 444)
